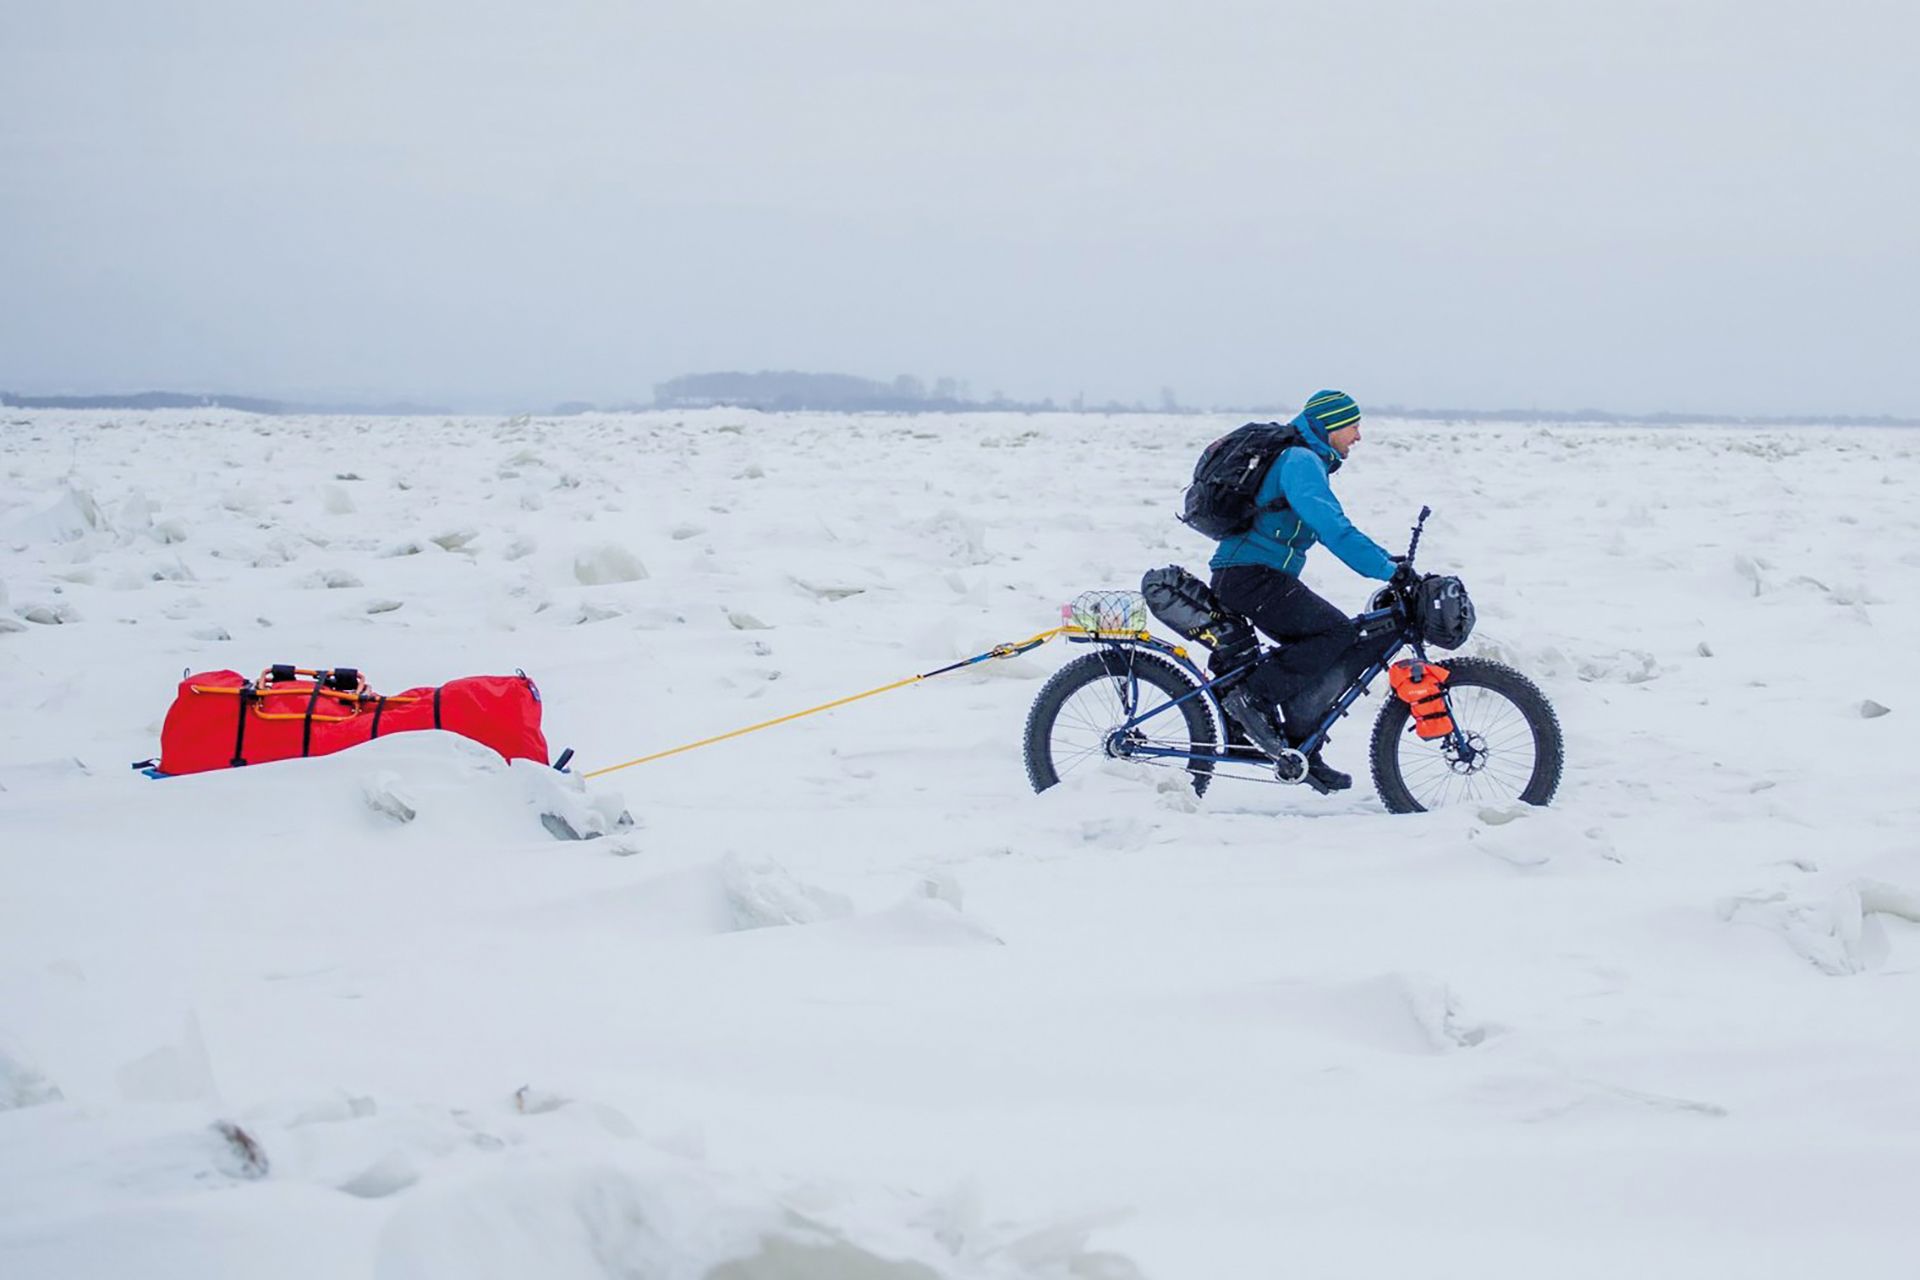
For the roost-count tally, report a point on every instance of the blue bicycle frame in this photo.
(1209, 687)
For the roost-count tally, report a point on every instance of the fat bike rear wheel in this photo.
(1077, 717)
(1512, 734)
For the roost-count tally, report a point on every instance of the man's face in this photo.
(1344, 439)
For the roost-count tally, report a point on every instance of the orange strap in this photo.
(303, 690)
(307, 691)
(258, 714)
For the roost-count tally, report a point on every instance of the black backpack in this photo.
(1226, 480)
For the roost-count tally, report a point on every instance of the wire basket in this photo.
(1107, 611)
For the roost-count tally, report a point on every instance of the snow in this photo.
(843, 997)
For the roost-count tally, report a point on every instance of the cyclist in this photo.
(1257, 573)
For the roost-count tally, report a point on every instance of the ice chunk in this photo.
(245, 1158)
(50, 615)
(651, 1214)
(1838, 934)
(594, 611)
(135, 516)
(335, 1110)
(941, 886)
(44, 773)
(607, 563)
(72, 517)
(1438, 1014)
(1627, 666)
(827, 591)
(177, 1072)
(21, 1084)
(761, 894)
(386, 794)
(950, 537)
(566, 809)
(920, 920)
(174, 570)
(393, 1172)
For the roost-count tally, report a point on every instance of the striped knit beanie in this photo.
(1329, 411)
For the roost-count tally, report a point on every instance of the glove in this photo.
(1404, 576)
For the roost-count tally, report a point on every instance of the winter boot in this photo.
(1258, 722)
(1324, 778)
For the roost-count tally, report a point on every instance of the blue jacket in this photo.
(1305, 512)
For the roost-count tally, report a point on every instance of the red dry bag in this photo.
(222, 720)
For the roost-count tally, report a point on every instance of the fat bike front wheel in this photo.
(1078, 717)
(1514, 750)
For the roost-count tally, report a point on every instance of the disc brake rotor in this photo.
(1473, 762)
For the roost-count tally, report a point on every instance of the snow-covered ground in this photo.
(847, 991)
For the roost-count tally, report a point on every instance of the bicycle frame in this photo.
(1209, 686)
(1406, 636)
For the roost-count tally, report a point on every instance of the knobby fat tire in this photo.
(1468, 673)
(1154, 673)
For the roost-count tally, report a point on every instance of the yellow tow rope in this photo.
(1011, 650)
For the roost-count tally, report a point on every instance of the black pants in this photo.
(1314, 637)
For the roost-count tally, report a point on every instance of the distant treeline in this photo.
(143, 400)
(1638, 419)
(179, 400)
(789, 390)
(792, 391)
(839, 392)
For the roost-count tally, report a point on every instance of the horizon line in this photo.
(407, 406)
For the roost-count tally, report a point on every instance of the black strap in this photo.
(240, 728)
(306, 730)
(379, 709)
(436, 706)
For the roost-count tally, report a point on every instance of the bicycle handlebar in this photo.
(1414, 544)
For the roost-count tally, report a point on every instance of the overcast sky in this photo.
(1692, 206)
